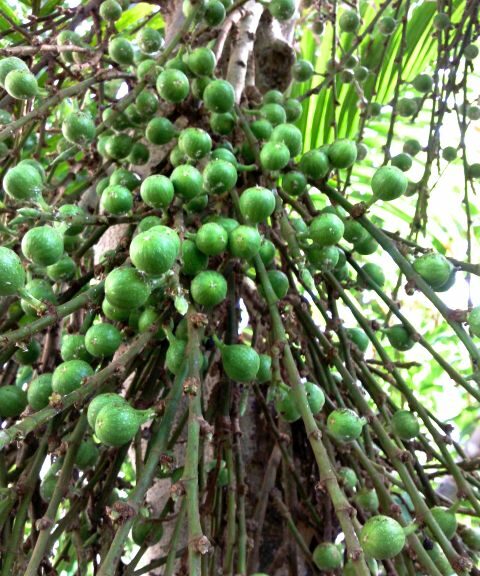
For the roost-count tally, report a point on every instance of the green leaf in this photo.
(134, 16)
(49, 7)
(5, 8)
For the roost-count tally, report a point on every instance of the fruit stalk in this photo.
(157, 447)
(389, 503)
(405, 266)
(198, 544)
(421, 339)
(388, 445)
(327, 474)
(173, 544)
(61, 311)
(30, 480)
(48, 519)
(414, 404)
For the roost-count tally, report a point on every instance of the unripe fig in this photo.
(209, 288)
(382, 537)
(405, 425)
(345, 425)
(240, 362)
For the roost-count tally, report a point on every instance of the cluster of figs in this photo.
(205, 175)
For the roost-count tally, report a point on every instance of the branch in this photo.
(59, 312)
(78, 397)
(198, 544)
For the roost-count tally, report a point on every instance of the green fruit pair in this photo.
(290, 136)
(99, 402)
(315, 400)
